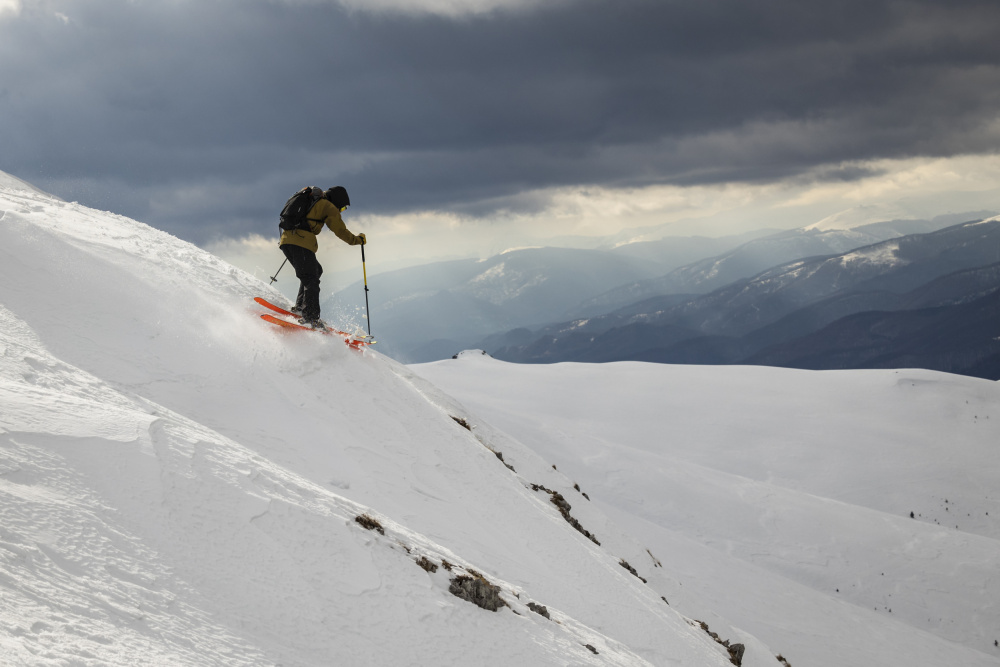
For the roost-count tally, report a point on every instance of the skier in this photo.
(300, 246)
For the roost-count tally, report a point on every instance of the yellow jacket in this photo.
(322, 213)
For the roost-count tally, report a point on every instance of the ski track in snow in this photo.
(179, 484)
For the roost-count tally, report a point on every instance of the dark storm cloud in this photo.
(187, 113)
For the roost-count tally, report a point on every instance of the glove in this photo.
(363, 239)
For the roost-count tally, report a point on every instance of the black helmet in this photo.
(338, 197)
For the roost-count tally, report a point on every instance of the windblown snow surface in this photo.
(180, 484)
(781, 498)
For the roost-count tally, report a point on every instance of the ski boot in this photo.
(314, 323)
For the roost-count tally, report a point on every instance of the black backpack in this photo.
(293, 216)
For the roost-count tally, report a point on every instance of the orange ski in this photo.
(330, 330)
(356, 344)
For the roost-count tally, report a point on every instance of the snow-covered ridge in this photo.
(12, 183)
(499, 284)
(985, 220)
(180, 483)
(883, 254)
(516, 249)
(859, 216)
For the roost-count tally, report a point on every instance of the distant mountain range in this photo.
(922, 299)
(962, 338)
(436, 309)
(756, 255)
(764, 297)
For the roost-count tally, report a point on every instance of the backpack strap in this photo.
(316, 194)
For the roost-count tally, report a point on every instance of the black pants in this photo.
(308, 271)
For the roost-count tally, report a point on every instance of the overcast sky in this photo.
(465, 126)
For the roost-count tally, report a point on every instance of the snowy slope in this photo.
(782, 498)
(180, 482)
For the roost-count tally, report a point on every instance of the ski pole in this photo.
(275, 276)
(365, 273)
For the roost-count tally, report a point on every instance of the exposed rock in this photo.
(478, 591)
(370, 523)
(509, 466)
(425, 563)
(539, 609)
(735, 650)
(631, 569)
(560, 501)
(564, 507)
